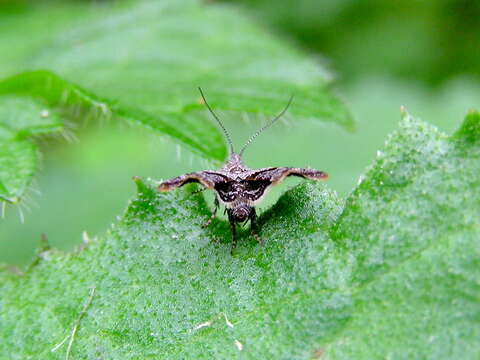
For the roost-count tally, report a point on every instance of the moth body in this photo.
(237, 187)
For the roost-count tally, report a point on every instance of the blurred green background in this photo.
(384, 54)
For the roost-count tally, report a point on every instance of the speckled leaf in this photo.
(391, 273)
(411, 230)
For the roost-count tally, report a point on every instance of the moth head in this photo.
(241, 212)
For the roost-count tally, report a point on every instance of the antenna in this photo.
(266, 126)
(229, 140)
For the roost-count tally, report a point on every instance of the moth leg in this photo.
(214, 214)
(215, 240)
(234, 236)
(253, 227)
(233, 228)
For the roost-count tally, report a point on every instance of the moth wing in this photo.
(276, 174)
(205, 178)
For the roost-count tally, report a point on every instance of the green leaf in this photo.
(411, 229)
(77, 103)
(392, 272)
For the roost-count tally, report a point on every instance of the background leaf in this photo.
(76, 102)
(185, 43)
(369, 38)
(391, 273)
(151, 56)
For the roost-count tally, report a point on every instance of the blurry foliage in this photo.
(414, 40)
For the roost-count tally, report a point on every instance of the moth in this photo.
(236, 186)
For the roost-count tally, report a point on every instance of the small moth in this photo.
(236, 186)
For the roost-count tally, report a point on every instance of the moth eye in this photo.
(221, 187)
(225, 191)
(254, 185)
